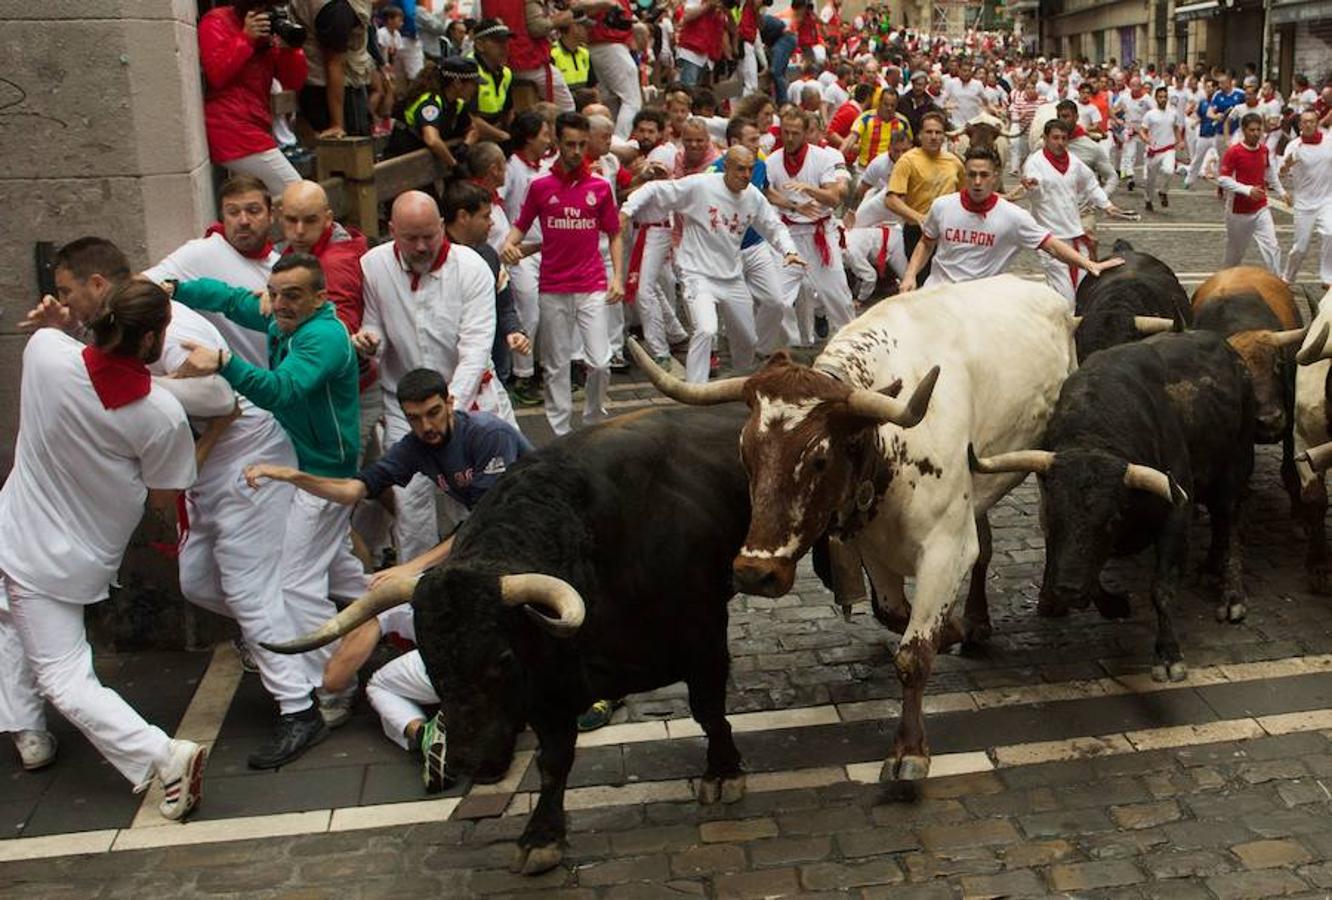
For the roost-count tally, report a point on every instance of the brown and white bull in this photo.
(1313, 438)
(985, 130)
(836, 450)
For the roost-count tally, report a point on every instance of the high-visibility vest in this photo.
(490, 95)
(574, 64)
(411, 114)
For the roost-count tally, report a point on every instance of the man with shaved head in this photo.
(429, 303)
(716, 211)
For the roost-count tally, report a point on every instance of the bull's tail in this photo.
(384, 596)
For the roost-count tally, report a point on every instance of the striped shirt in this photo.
(1023, 109)
(876, 134)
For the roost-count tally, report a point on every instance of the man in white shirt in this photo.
(96, 439)
(1132, 106)
(1060, 185)
(874, 242)
(236, 250)
(1162, 131)
(531, 139)
(1247, 175)
(1308, 163)
(715, 212)
(964, 97)
(977, 232)
(807, 183)
(428, 304)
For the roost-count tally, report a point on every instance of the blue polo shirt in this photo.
(479, 449)
(1224, 103)
(1206, 127)
(759, 180)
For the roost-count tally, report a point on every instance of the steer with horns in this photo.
(1313, 439)
(1139, 429)
(845, 449)
(599, 565)
(1140, 297)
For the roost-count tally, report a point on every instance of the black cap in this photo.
(459, 68)
(491, 28)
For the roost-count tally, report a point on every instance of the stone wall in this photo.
(101, 132)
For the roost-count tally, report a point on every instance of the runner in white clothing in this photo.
(977, 232)
(716, 212)
(1132, 105)
(1162, 131)
(874, 242)
(531, 139)
(96, 439)
(1308, 163)
(807, 183)
(1060, 185)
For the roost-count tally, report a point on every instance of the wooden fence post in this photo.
(353, 160)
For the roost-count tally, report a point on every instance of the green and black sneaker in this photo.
(432, 749)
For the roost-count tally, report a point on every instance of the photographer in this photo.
(609, 41)
(241, 55)
(335, 100)
(701, 38)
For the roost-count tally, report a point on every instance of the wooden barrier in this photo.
(357, 185)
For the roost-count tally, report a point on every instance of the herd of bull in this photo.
(602, 564)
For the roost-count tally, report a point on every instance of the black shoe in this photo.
(820, 327)
(1149, 206)
(295, 733)
(1165, 200)
(1132, 185)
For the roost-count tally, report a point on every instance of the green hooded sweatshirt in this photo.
(310, 386)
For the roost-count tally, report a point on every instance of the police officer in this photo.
(570, 55)
(493, 106)
(434, 111)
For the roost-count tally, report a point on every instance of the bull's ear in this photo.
(823, 562)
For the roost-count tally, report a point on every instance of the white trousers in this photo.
(317, 554)
(1130, 155)
(763, 276)
(397, 690)
(21, 704)
(863, 246)
(1252, 228)
(1159, 169)
(1201, 150)
(58, 660)
(564, 319)
(829, 280)
(1018, 154)
(548, 77)
(705, 296)
(1059, 275)
(618, 74)
(523, 281)
(749, 69)
(655, 298)
(270, 167)
(1309, 222)
(231, 563)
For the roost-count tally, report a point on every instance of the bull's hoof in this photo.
(905, 768)
(1231, 611)
(1050, 608)
(1175, 671)
(535, 860)
(1113, 606)
(721, 790)
(975, 635)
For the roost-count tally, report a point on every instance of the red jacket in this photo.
(703, 34)
(238, 111)
(598, 33)
(525, 51)
(1248, 167)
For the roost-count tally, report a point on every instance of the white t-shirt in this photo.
(1089, 116)
(82, 472)
(835, 95)
(1161, 125)
(1135, 108)
(1306, 100)
(715, 221)
(879, 170)
(971, 245)
(967, 99)
(996, 96)
(822, 166)
(1311, 173)
(518, 178)
(1047, 91)
(213, 257)
(1057, 198)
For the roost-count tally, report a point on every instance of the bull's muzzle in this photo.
(763, 576)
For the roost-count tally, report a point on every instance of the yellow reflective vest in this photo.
(574, 65)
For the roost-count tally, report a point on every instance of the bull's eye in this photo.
(820, 464)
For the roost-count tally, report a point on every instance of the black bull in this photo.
(641, 517)
(1142, 286)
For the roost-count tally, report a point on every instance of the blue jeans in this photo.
(779, 58)
(690, 73)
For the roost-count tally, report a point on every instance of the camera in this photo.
(281, 24)
(618, 20)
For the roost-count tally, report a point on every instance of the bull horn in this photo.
(1312, 351)
(723, 391)
(1316, 458)
(531, 590)
(1038, 461)
(387, 595)
(1289, 336)
(1016, 132)
(1153, 324)
(1145, 478)
(884, 409)
(1077, 320)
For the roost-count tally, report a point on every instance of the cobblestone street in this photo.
(1060, 768)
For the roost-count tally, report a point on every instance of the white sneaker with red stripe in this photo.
(182, 779)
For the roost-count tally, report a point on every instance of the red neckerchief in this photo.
(1078, 131)
(797, 158)
(118, 380)
(1316, 139)
(534, 166)
(1060, 163)
(440, 258)
(261, 253)
(979, 208)
(570, 178)
(317, 251)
